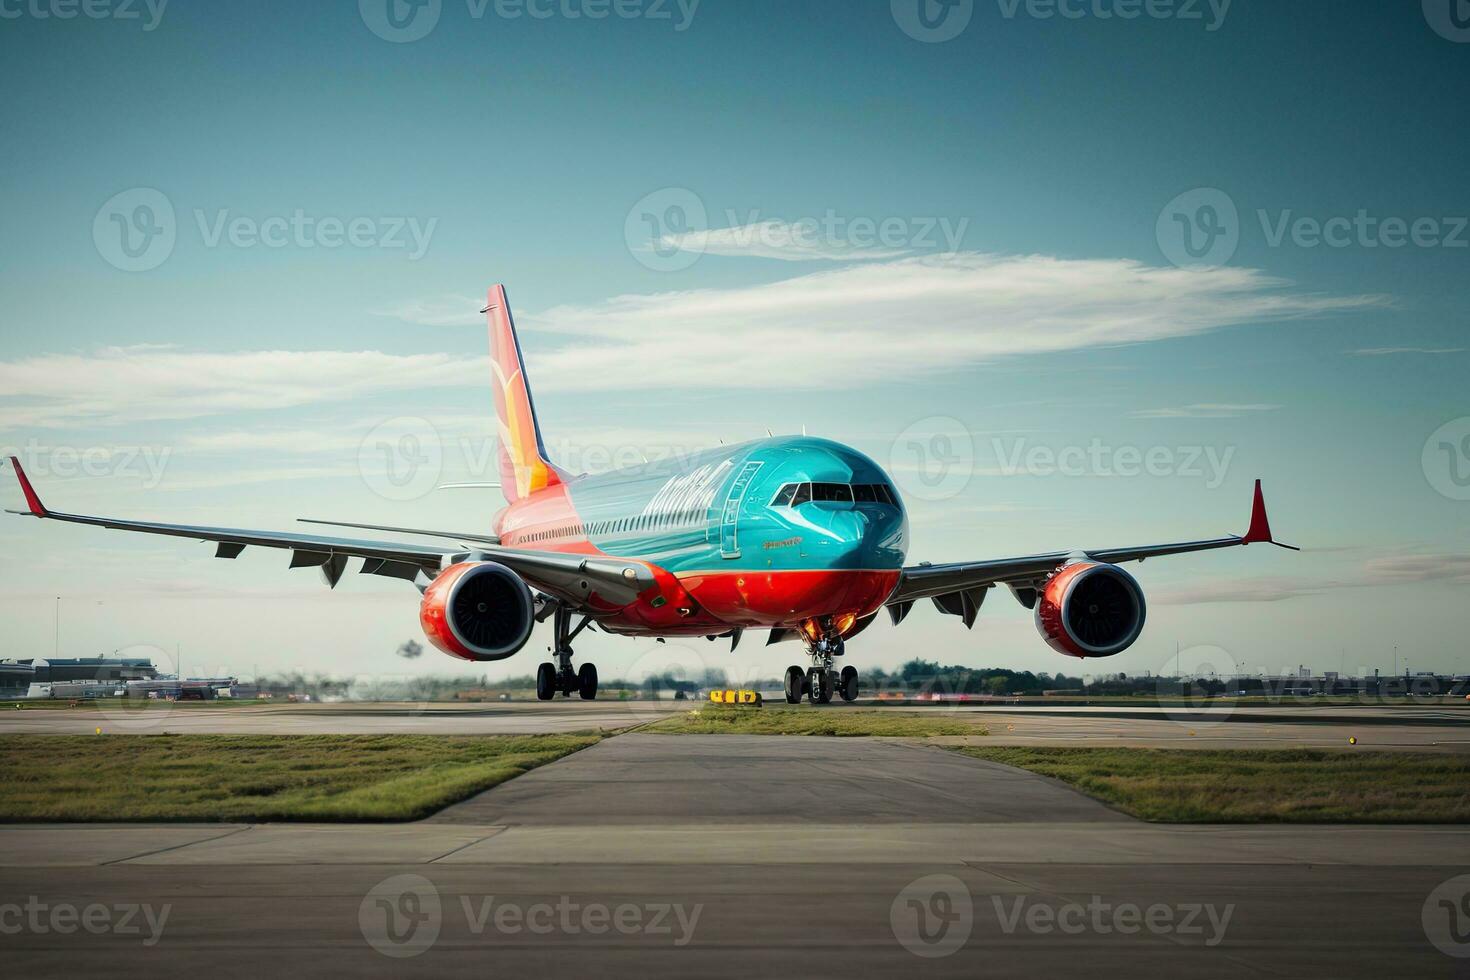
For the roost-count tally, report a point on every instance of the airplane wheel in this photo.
(794, 678)
(848, 687)
(545, 682)
(587, 682)
(819, 686)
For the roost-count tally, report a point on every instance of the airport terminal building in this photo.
(100, 677)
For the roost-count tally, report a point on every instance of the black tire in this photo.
(848, 686)
(819, 686)
(587, 682)
(795, 683)
(545, 682)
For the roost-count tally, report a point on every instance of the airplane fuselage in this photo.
(767, 534)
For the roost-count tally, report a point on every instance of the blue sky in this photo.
(1030, 296)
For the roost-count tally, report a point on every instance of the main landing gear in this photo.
(559, 677)
(819, 681)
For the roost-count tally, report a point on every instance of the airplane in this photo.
(802, 537)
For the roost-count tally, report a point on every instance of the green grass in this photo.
(714, 720)
(1263, 786)
(247, 778)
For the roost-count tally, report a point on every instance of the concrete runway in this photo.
(653, 856)
(1437, 729)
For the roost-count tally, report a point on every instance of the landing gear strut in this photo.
(552, 678)
(820, 681)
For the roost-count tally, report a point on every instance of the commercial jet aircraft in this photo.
(803, 537)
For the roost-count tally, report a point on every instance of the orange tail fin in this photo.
(524, 466)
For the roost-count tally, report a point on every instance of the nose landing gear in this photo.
(559, 677)
(820, 681)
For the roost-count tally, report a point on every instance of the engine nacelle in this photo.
(1090, 609)
(477, 611)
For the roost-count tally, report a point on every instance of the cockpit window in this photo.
(832, 492)
(793, 494)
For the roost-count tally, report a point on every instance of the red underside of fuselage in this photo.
(764, 599)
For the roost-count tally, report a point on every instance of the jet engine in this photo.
(478, 611)
(1090, 609)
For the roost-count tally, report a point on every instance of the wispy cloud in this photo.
(438, 311)
(863, 324)
(118, 385)
(1204, 410)
(776, 239)
(1419, 568)
(1403, 569)
(1385, 351)
(1258, 589)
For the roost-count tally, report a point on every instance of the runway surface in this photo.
(1436, 729)
(655, 856)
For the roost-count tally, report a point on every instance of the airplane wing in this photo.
(958, 588)
(576, 579)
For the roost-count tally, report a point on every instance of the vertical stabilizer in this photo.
(524, 466)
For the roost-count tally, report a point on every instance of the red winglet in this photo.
(38, 509)
(1260, 529)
